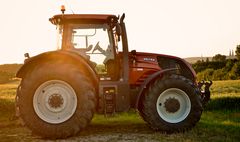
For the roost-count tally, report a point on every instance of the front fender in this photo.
(149, 79)
(56, 56)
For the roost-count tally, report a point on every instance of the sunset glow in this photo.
(183, 28)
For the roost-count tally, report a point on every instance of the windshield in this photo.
(95, 40)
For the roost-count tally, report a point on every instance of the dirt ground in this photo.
(96, 133)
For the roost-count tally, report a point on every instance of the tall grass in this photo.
(225, 95)
(226, 88)
(7, 98)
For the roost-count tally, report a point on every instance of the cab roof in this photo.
(83, 18)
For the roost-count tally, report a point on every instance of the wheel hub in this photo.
(172, 105)
(55, 101)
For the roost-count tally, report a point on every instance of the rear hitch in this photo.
(204, 87)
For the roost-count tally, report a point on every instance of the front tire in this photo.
(56, 100)
(171, 104)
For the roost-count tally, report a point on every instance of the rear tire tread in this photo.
(81, 84)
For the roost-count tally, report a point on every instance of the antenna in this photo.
(69, 6)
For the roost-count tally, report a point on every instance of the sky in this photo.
(184, 28)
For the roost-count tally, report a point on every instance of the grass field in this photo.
(219, 122)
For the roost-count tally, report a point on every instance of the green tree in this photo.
(218, 74)
(219, 58)
(235, 71)
(229, 65)
(100, 69)
(207, 60)
(205, 75)
(238, 52)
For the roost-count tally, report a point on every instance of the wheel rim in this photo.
(55, 101)
(173, 105)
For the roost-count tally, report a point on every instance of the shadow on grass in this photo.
(214, 128)
(224, 103)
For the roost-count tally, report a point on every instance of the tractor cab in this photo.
(94, 37)
(101, 41)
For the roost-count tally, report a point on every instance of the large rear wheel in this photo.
(56, 100)
(171, 104)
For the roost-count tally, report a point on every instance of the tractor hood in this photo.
(162, 62)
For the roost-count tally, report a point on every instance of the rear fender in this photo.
(150, 79)
(55, 56)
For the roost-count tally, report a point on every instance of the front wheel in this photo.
(171, 104)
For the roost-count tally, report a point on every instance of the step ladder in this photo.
(109, 96)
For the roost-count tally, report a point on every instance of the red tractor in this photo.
(93, 71)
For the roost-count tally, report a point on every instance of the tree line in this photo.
(220, 68)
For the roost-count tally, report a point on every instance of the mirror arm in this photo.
(122, 18)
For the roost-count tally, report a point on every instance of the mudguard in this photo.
(55, 56)
(149, 79)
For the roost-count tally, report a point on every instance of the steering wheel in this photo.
(89, 48)
(96, 47)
